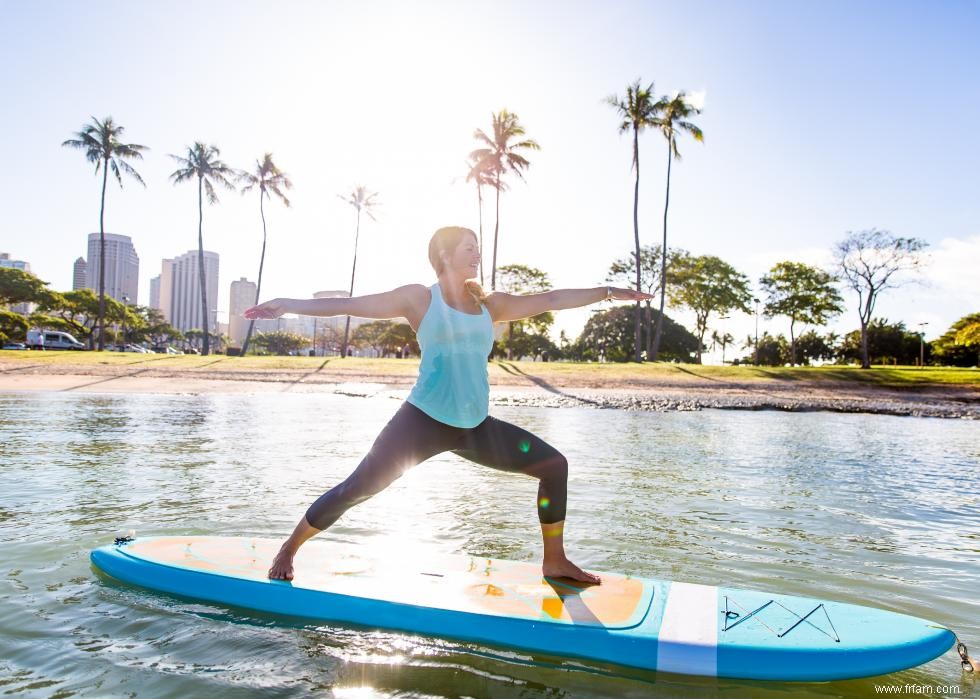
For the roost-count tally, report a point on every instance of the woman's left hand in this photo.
(618, 294)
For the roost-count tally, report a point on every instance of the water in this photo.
(867, 509)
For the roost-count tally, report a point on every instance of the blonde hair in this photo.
(447, 239)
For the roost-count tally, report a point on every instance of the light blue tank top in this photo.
(453, 386)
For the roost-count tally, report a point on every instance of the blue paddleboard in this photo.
(651, 624)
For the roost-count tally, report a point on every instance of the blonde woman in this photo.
(447, 410)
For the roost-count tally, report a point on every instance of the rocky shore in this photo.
(517, 388)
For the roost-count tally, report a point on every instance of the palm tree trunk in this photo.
(258, 287)
(105, 177)
(200, 263)
(636, 235)
(479, 198)
(496, 230)
(792, 343)
(663, 261)
(357, 233)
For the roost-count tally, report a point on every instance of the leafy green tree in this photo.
(281, 342)
(385, 337)
(498, 157)
(610, 334)
(79, 311)
(637, 110)
(960, 345)
(267, 177)
(521, 279)
(203, 162)
(707, 284)
(811, 346)
(771, 351)
(673, 119)
(18, 286)
(623, 271)
(100, 141)
(803, 293)
(362, 200)
(886, 343)
(43, 321)
(871, 261)
(13, 326)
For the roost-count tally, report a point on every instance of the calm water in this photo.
(876, 510)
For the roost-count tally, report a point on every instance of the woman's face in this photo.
(465, 258)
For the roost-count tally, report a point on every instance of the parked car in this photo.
(15, 346)
(132, 348)
(166, 349)
(52, 339)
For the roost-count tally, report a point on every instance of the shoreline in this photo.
(518, 388)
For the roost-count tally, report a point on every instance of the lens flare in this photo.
(524, 446)
(544, 502)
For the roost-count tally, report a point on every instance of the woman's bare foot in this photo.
(564, 568)
(282, 565)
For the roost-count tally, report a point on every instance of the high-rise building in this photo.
(79, 276)
(162, 289)
(185, 305)
(155, 292)
(122, 267)
(5, 261)
(242, 296)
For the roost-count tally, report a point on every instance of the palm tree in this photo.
(479, 171)
(362, 200)
(500, 157)
(202, 162)
(637, 110)
(268, 178)
(674, 116)
(100, 141)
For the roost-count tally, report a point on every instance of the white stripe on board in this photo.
(688, 641)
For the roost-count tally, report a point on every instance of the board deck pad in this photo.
(458, 583)
(677, 627)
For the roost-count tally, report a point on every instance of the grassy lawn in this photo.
(884, 376)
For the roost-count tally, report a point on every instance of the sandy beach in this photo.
(512, 383)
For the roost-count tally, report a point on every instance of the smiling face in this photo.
(455, 251)
(465, 259)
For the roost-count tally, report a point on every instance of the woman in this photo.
(447, 410)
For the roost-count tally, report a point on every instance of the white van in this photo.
(52, 339)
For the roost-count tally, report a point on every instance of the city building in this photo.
(79, 276)
(182, 275)
(242, 296)
(122, 267)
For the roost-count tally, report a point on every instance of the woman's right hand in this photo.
(269, 309)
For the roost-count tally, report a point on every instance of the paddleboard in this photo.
(652, 624)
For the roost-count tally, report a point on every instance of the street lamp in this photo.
(922, 346)
(755, 358)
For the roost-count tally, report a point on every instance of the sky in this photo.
(819, 119)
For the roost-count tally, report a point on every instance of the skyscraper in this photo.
(185, 276)
(79, 278)
(242, 296)
(122, 266)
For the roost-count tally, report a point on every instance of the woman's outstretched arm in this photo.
(505, 307)
(390, 304)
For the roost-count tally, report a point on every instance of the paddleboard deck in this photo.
(651, 624)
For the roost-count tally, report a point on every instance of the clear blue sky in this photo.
(819, 118)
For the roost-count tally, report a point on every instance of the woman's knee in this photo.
(554, 468)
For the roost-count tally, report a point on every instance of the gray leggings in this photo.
(411, 437)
